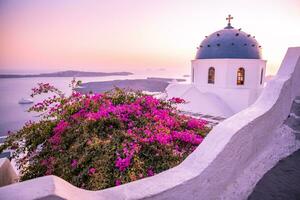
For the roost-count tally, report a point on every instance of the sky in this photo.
(134, 35)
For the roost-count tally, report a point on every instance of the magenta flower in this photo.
(150, 172)
(92, 171)
(196, 123)
(74, 163)
(177, 100)
(188, 137)
(58, 130)
(78, 115)
(60, 127)
(55, 140)
(44, 162)
(48, 163)
(122, 163)
(118, 182)
(163, 138)
(94, 116)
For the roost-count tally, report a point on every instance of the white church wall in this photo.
(227, 165)
(252, 72)
(236, 96)
(226, 72)
(201, 68)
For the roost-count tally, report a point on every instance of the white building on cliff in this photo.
(227, 74)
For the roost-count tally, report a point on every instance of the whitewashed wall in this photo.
(226, 72)
(227, 165)
(236, 96)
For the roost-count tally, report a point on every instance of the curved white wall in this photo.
(227, 165)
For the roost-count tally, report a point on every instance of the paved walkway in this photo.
(282, 182)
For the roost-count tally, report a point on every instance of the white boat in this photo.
(25, 101)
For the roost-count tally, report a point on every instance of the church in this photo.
(227, 74)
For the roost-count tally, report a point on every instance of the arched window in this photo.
(261, 76)
(211, 75)
(240, 76)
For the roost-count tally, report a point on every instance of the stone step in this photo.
(293, 123)
(281, 182)
(294, 115)
(295, 108)
(297, 100)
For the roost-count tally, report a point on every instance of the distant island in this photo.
(151, 84)
(69, 73)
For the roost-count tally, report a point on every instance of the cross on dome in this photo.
(229, 18)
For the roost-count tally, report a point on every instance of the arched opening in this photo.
(211, 75)
(240, 76)
(261, 76)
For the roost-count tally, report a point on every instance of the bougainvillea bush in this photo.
(96, 141)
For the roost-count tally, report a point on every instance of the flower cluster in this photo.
(58, 130)
(44, 88)
(97, 141)
(177, 100)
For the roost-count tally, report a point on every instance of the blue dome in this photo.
(229, 43)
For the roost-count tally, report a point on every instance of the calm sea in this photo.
(13, 115)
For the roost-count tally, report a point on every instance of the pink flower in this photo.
(177, 100)
(94, 116)
(55, 139)
(89, 142)
(78, 115)
(118, 182)
(150, 172)
(58, 130)
(74, 163)
(196, 123)
(44, 162)
(187, 136)
(122, 163)
(163, 138)
(49, 164)
(60, 127)
(92, 171)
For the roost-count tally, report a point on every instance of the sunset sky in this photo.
(134, 35)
